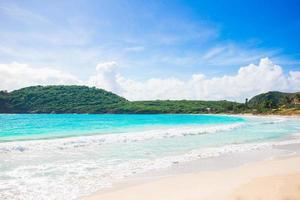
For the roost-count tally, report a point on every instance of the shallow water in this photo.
(67, 156)
(41, 126)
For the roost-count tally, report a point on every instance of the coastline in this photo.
(93, 180)
(274, 179)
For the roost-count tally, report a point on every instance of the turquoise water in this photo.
(68, 156)
(33, 126)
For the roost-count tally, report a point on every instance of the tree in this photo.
(246, 102)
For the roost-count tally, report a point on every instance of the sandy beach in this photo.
(277, 179)
(243, 158)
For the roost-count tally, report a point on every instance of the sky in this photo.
(145, 50)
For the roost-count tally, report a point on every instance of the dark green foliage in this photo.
(4, 104)
(82, 99)
(274, 100)
(180, 106)
(62, 99)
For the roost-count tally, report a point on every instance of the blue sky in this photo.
(150, 39)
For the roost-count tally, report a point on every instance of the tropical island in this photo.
(83, 99)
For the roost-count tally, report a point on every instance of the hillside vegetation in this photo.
(276, 102)
(59, 99)
(182, 106)
(83, 99)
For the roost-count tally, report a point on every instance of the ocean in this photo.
(67, 156)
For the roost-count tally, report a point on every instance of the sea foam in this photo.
(72, 180)
(69, 168)
(126, 137)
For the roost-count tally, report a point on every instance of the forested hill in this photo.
(276, 102)
(83, 99)
(58, 99)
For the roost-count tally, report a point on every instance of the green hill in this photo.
(275, 101)
(59, 99)
(83, 99)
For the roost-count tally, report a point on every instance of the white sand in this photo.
(268, 180)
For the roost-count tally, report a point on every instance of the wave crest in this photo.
(126, 137)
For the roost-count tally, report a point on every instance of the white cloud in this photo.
(105, 77)
(233, 54)
(170, 88)
(247, 82)
(16, 75)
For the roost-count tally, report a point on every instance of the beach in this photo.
(172, 156)
(277, 179)
(269, 174)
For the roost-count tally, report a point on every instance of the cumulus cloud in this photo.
(247, 82)
(17, 75)
(106, 77)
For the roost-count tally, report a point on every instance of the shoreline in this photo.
(274, 179)
(233, 114)
(104, 180)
